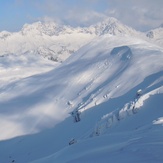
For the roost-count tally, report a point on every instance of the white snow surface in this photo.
(101, 80)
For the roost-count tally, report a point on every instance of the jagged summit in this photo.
(108, 26)
(112, 26)
(47, 28)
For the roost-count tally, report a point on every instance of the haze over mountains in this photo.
(49, 70)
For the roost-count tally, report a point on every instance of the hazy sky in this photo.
(139, 14)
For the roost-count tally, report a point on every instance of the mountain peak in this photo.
(112, 26)
(47, 28)
(108, 26)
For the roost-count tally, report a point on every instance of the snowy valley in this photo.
(109, 73)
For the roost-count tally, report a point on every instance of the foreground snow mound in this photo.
(101, 80)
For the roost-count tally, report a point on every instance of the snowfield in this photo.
(116, 84)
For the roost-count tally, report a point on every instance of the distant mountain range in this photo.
(57, 42)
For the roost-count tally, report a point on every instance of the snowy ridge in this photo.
(111, 119)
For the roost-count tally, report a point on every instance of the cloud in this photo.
(85, 18)
(75, 13)
(139, 14)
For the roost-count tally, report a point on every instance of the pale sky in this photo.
(139, 14)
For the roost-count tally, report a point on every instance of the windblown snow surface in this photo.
(101, 80)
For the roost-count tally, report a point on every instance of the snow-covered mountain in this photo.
(57, 42)
(114, 81)
(101, 80)
(114, 27)
(47, 39)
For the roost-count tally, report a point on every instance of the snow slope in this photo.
(101, 80)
